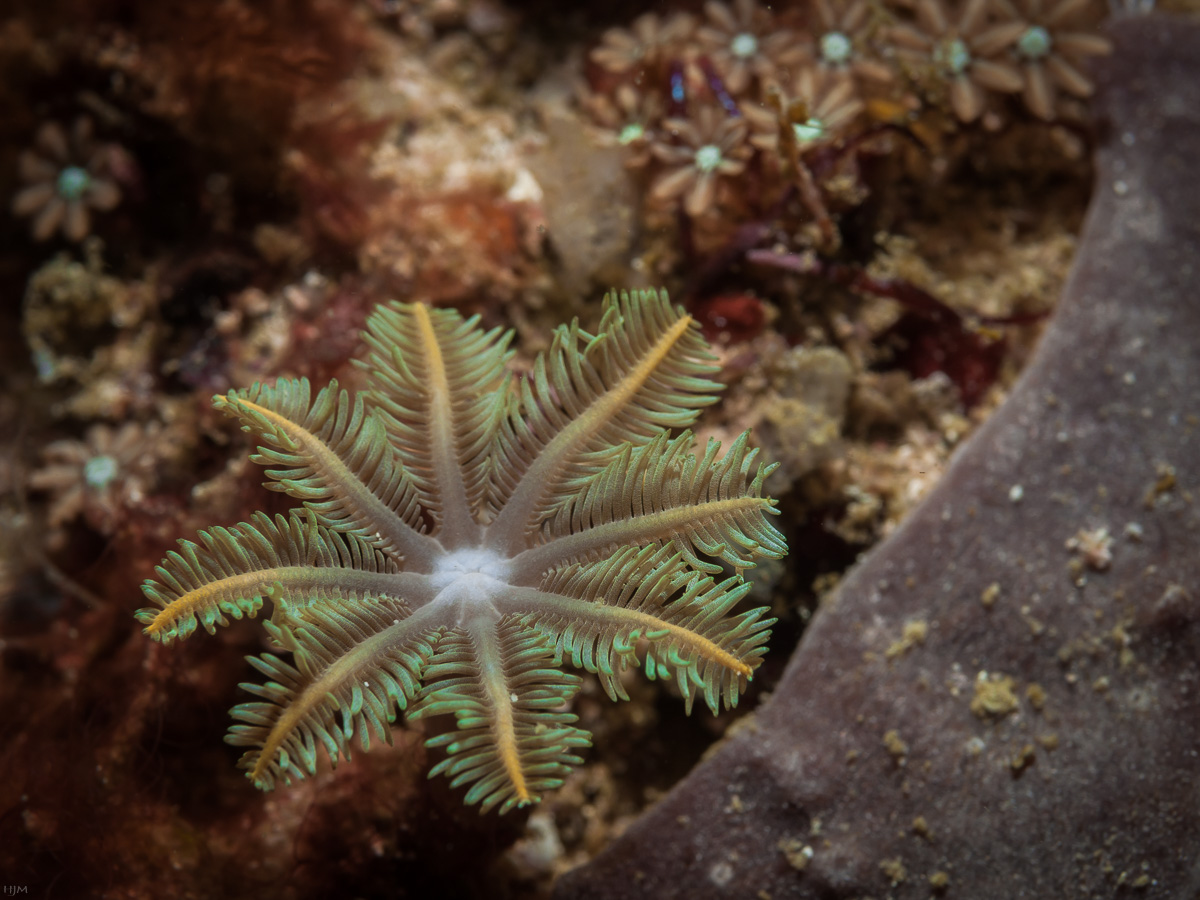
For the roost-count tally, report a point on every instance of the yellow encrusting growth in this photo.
(458, 542)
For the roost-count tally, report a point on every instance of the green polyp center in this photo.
(1034, 43)
(72, 182)
(708, 157)
(812, 129)
(953, 56)
(44, 362)
(631, 132)
(744, 45)
(99, 472)
(836, 48)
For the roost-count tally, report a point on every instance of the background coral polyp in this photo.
(67, 176)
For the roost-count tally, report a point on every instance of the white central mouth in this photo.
(470, 561)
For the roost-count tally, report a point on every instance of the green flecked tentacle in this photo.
(292, 560)
(595, 613)
(362, 661)
(647, 369)
(513, 738)
(335, 457)
(436, 380)
(661, 493)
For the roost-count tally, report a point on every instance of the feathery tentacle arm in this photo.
(513, 738)
(648, 370)
(661, 493)
(367, 681)
(327, 479)
(458, 524)
(530, 565)
(594, 614)
(292, 560)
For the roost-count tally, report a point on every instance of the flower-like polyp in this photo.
(66, 176)
(462, 536)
